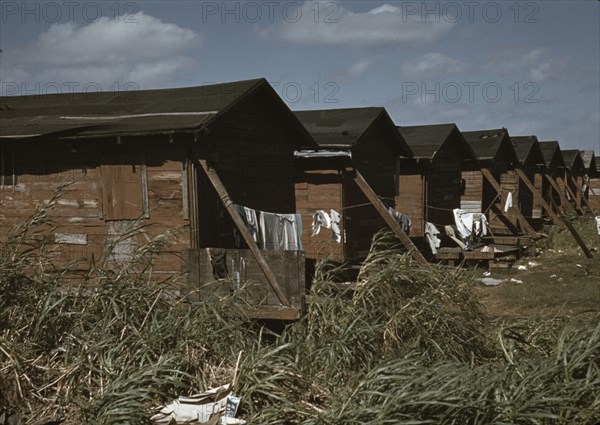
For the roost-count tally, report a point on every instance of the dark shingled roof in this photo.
(572, 159)
(487, 144)
(343, 128)
(426, 140)
(122, 113)
(551, 149)
(528, 150)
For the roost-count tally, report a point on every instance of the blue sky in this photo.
(532, 67)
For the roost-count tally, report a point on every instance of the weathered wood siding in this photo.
(501, 222)
(594, 193)
(472, 194)
(410, 197)
(319, 186)
(85, 222)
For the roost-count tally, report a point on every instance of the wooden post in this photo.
(213, 177)
(389, 219)
(522, 220)
(559, 221)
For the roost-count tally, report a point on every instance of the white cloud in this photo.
(555, 69)
(383, 25)
(508, 59)
(432, 65)
(147, 52)
(354, 72)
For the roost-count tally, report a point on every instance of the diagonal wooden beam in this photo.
(215, 180)
(580, 194)
(559, 221)
(388, 218)
(555, 219)
(577, 237)
(577, 205)
(564, 202)
(520, 218)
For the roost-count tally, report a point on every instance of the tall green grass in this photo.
(402, 346)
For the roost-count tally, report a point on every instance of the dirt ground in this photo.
(557, 281)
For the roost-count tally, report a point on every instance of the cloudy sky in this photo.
(533, 67)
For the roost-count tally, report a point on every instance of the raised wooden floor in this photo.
(493, 254)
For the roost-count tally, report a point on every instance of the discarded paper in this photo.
(201, 408)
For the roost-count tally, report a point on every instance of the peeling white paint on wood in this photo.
(71, 238)
(67, 202)
(165, 175)
(76, 219)
(124, 247)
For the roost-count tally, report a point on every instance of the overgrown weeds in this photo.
(400, 346)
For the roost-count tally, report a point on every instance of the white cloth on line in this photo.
(431, 233)
(598, 223)
(509, 202)
(320, 219)
(468, 224)
(336, 233)
(281, 232)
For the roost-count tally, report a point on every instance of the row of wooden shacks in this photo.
(259, 193)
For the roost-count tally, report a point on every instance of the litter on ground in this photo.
(211, 405)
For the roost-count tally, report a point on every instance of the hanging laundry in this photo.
(464, 223)
(469, 225)
(481, 224)
(320, 219)
(404, 221)
(431, 233)
(335, 226)
(249, 217)
(509, 202)
(281, 232)
(598, 223)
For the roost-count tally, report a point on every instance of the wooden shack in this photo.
(591, 179)
(170, 159)
(429, 184)
(350, 140)
(574, 177)
(532, 164)
(495, 180)
(554, 175)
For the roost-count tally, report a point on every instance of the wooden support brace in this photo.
(580, 194)
(577, 205)
(578, 208)
(577, 237)
(563, 199)
(389, 219)
(213, 177)
(555, 219)
(559, 221)
(520, 218)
